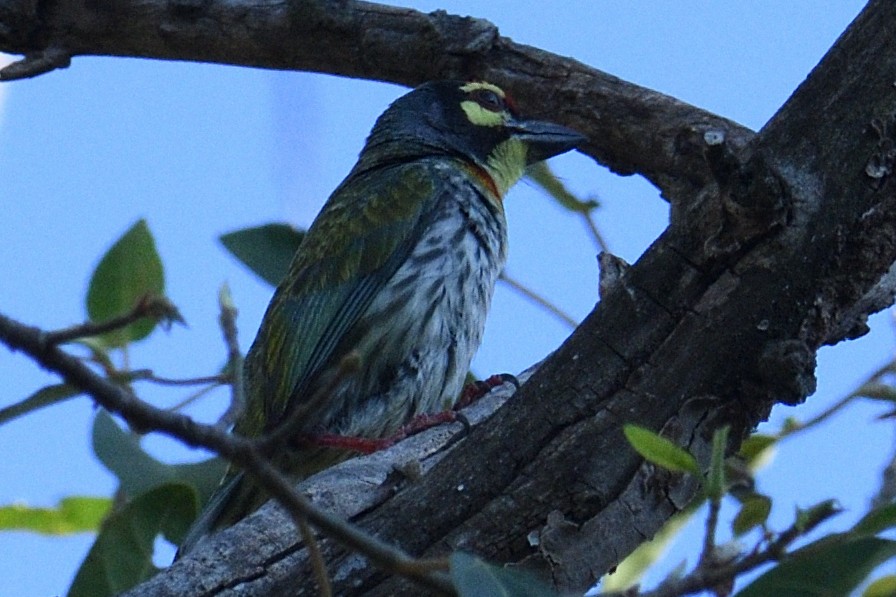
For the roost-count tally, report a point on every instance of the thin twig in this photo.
(148, 375)
(238, 450)
(840, 404)
(194, 397)
(156, 307)
(542, 175)
(596, 236)
(210, 382)
(705, 577)
(709, 538)
(314, 555)
(710, 574)
(539, 300)
(227, 320)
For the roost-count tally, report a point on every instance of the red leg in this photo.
(367, 445)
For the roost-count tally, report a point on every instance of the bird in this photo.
(385, 301)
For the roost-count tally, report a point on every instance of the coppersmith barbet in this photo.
(385, 302)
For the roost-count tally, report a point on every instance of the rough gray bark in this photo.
(779, 243)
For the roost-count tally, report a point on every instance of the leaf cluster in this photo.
(838, 563)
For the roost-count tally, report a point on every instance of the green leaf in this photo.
(473, 577)
(121, 453)
(877, 391)
(75, 514)
(754, 511)
(757, 449)
(660, 451)
(878, 520)
(129, 271)
(830, 567)
(542, 176)
(266, 250)
(715, 478)
(138, 472)
(41, 398)
(884, 586)
(121, 557)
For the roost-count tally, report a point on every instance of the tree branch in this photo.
(776, 243)
(635, 130)
(719, 320)
(238, 450)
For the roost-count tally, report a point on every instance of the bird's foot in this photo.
(475, 390)
(369, 445)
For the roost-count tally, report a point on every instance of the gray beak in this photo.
(545, 139)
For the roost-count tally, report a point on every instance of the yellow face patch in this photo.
(482, 85)
(482, 117)
(479, 115)
(506, 163)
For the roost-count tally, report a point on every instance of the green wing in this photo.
(365, 232)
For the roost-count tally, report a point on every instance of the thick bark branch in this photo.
(778, 244)
(632, 129)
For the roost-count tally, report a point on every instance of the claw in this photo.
(461, 418)
(477, 389)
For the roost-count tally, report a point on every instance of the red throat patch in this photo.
(482, 175)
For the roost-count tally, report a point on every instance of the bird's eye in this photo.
(488, 99)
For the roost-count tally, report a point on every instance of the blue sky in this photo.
(199, 150)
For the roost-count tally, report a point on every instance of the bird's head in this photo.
(474, 121)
